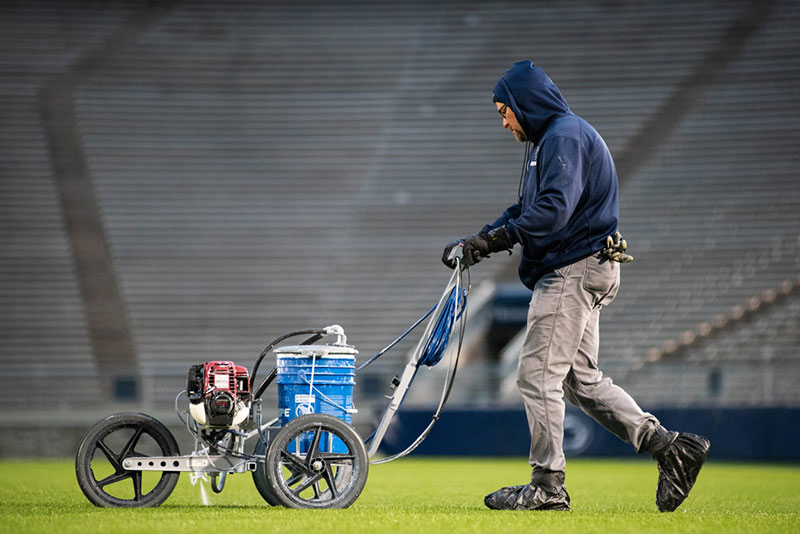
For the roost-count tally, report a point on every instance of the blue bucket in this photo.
(316, 379)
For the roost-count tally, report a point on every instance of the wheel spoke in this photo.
(137, 485)
(113, 458)
(295, 461)
(317, 491)
(116, 477)
(313, 449)
(337, 457)
(295, 478)
(331, 480)
(306, 484)
(131, 443)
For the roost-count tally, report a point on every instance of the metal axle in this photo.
(213, 463)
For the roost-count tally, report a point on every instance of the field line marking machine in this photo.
(308, 456)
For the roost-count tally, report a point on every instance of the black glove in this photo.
(479, 246)
(446, 254)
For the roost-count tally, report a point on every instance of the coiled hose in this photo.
(453, 308)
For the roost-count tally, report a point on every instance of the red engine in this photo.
(219, 393)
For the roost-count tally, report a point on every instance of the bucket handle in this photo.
(330, 401)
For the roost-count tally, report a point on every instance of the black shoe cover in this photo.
(678, 467)
(528, 497)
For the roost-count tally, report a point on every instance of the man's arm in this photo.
(560, 189)
(477, 246)
(511, 213)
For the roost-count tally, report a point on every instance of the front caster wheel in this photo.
(102, 451)
(316, 461)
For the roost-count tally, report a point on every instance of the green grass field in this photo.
(423, 495)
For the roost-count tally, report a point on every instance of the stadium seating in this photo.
(715, 215)
(45, 353)
(262, 167)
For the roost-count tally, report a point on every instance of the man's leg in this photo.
(679, 456)
(556, 320)
(598, 397)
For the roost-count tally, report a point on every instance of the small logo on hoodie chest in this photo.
(535, 157)
(531, 182)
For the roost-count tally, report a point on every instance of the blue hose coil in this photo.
(440, 336)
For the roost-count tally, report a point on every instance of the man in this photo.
(564, 218)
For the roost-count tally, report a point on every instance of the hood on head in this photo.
(532, 96)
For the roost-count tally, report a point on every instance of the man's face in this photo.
(510, 122)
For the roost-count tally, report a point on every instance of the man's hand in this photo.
(451, 263)
(478, 246)
(615, 249)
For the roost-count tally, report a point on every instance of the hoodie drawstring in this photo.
(521, 186)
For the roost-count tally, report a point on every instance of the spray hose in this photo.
(439, 339)
(437, 343)
(431, 348)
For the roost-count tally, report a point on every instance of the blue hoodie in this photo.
(569, 200)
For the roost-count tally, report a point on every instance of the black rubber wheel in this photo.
(317, 478)
(98, 464)
(260, 477)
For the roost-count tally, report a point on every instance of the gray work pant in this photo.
(559, 358)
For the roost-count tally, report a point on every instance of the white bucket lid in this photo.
(320, 351)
